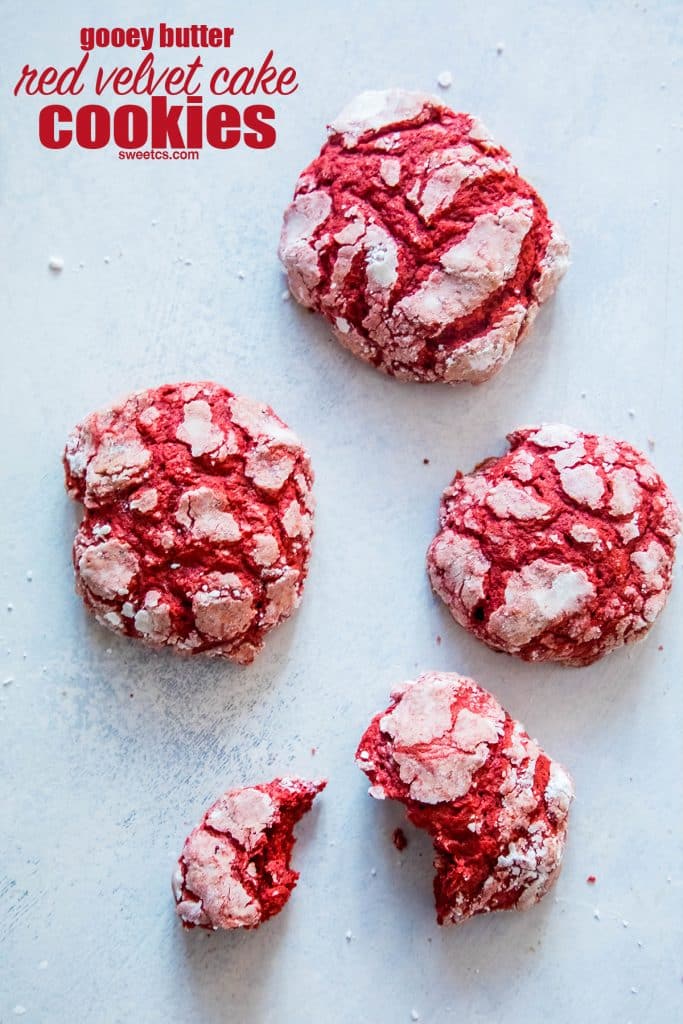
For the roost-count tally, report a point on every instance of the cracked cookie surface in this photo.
(197, 520)
(492, 801)
(560, 550)
(414, 235)
(234, 869)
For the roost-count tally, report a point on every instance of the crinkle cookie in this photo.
(234, 869)
(197, 518)
(493, 803)
(414, 235)
(560, 550)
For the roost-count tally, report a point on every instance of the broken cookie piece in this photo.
(234, 870)
(198, 516)
(560, 550)
(494, 804)
(414, 235)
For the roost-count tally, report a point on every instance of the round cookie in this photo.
(234, 869)
(560, 550)
(197, 518)
(493, 803)
(414, 235)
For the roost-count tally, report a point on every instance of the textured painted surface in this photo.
(100, 789)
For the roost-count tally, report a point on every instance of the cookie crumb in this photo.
(445, 79)
(399, 839)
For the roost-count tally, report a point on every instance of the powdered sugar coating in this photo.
(494, 804)
(560, 550)
(414, 235)
(198, 518)
(234, 869)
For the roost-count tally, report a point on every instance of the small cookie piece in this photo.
(414, 235)
(494, 804)
(234, 869)
(198, 518)
(560, 550)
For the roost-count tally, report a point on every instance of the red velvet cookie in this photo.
(197, 521)
(493, 803)
(234, 869)
(560, 550)
(414, 235)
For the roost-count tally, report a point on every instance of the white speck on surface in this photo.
(106, 259)
(634, 990)
(19, 1010)
(56, 263)
(499, 48)
(8, 681)
(625, 924)
(10, 606)
(348, 936)
(596, 914)
(285, 295)
(632, 413)
(241, 275)
(42, 966)
(29, 575)
(445, 79)
(414, 1015)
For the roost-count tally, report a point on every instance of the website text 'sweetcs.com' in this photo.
(159, 154)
